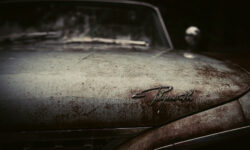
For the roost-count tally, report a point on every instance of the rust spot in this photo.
(236, 77)
(234, 74)
(208, 71)
(169, 110)
(190, 127)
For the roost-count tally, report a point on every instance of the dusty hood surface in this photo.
(62, 90)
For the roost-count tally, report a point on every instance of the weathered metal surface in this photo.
(245, 105)
(225, 117)
(61, 90)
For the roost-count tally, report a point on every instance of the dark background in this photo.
(224, 25)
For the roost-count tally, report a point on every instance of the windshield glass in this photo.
(85, 24)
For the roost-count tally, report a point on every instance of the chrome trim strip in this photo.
(165, 29)
(210, 137)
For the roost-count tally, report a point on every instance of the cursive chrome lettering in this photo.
(162, 96)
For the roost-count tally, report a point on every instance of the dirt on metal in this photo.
(221, 118)
(53, 90)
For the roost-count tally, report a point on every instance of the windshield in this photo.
(85, 24)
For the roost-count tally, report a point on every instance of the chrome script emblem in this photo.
(162, 95)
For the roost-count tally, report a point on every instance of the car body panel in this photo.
(62, 90)
(245, 105)
(218, 119)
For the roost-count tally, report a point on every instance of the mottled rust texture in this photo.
(53, 90)
(221, 118)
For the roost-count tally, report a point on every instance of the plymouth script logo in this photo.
(162, 96)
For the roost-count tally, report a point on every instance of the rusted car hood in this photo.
(66, 90)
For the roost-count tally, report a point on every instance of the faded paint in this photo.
(221, 118)
(59, 90)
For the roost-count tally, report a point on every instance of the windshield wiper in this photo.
(30, 35)
(106, 41)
